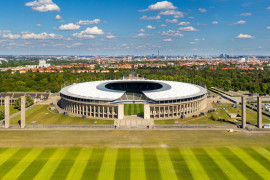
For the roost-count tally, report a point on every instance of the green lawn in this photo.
(220, 113)
(42, 115)
(134, 109)
(12, 110)
(137, 164)
(136, 155)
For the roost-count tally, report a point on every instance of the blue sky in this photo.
(118, 27)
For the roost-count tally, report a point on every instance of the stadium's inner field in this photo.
(134, 109)
(41, 154)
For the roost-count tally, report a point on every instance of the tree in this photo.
(2, 114)
(28, 102)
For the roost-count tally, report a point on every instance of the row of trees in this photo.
(253, 81)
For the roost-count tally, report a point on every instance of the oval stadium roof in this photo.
(96, 90)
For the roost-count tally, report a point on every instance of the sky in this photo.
(134, 27)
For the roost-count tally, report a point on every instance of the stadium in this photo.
(107, 99)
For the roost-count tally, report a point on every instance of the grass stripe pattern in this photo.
(135, 163)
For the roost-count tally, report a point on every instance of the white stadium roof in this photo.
(96, 90)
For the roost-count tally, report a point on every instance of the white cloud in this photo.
(150, 27)
(150, 17)
(188, 29)
(40, 36)
(141, 30)
(11, 36)
(83, 36)
(110, 36)
(87, 22)
(163, 25)
(183, 24)
(268, 27)
(171, 33)
(160, 6)
(215, 22)
(89, 33)
(194, 49)
(192, 43)
(94, 30)
(246, 14)
(167, 40)
(196, 39)
(240, 22)
(245, 36)
(171, 20)
(69, 27)
(58, 17)
(202, 10)
(43, 5)
(176, 14)
(141, 35)
(268, 8)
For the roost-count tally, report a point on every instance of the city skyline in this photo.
(211, 27)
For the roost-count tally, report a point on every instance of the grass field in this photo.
(220, 113)
(12, 110)
(126, 163)
(134, 109)
(42, 115)
(122, 155)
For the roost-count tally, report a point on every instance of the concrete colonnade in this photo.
(108, 111)
(177, 109)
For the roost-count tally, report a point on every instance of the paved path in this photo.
(18, 113)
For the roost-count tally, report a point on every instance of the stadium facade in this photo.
(106, 99)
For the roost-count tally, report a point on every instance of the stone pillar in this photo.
(91, 109)
(108, 112)
(120, 111)
(259, 112)
(7, 103)
(83, 109)
(146, 111)
(244, 113)
(103, 112)
(23, 112)
(98, 111)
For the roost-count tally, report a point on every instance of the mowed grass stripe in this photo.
(264, 173)
(209, 165)
(195, 167)
(264, 152)
(19, 168)
(180, 166)
(137, 164)
(79, 165)
(107, 168)
(165, 164)
(93, 165)
(48, 169)
(231, 171)
(122, 170)
(151, 164)
(12, 161)
(6, 154)
(248, 172)
(258, 157)
(66, 164)
(32, 170)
